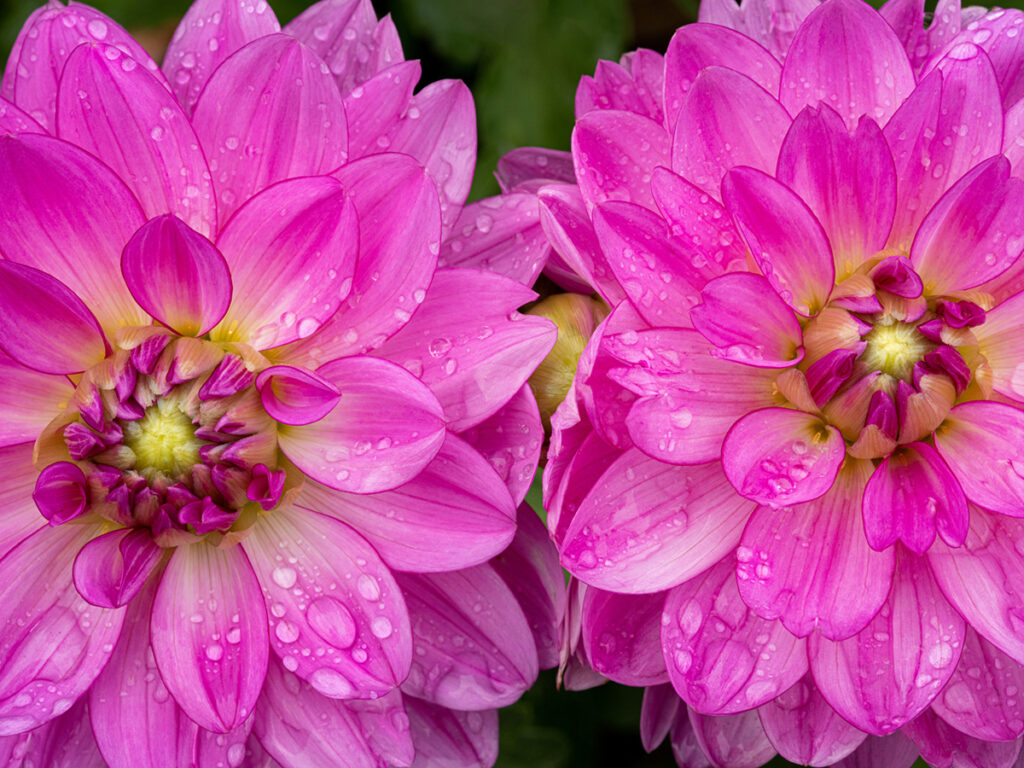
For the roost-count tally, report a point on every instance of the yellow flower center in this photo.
(163, 440)
(894, 349)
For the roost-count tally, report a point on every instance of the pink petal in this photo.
(465, 345)
(989, 435)
(217, 749)
(660, 706)
(374, 107)
(399, 239)
(177, 275)
(1002, 345)
(207, 597)
(111, 569)
(531, 570)
(689, 396)
(567, 483)
(566, 222)
(736, 741)
(68, 215)
(120, 112)
(294, 395)
(949, 124)
(439, 130)
(919, 636)
(892, 751)
(641, 252)
(981, 697)
(44, 325)
(337, 617)
(298, 726)
(786, 240)
(810, 564)
(945, 747)
(270, 112)
(60, 492)
(622, 636)
(301, 236)
(450, 737)
(613, 87)
(474, 648)
(997, 35)
(501, 234)
(685, 746)
(210, 32)
(19, 515)
(847, 178)
(528, 164)
(744, 317)
(64, 742)
(866, 71)
(779, 456)
(716, 673)
(726, 120)
(679, 521)
(14, 120)
(695, 47)
(511, 440)
(614, 152)
(54, 643)
(46, 40)
(137, 722)
(454, 514)
(805, 729)
(980, 216)
(385, 429)
(346, 35)
(984, 579)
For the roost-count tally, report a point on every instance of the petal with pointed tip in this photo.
(14, 120)
(295, 396)
(111, 569)
(658, 711)
(528, 164)
(374, 108)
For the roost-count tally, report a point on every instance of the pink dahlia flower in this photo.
(790, 463)
(274, 447)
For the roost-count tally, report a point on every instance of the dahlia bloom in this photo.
(789, 464)
(276, 450)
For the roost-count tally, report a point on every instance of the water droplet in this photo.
(331, 683)
(330, 619)
(381, 627)
(214, 652)
(97, 29)
(236, 754)
(284, 577)
(286, 632)
(368, 587)
(290, 663)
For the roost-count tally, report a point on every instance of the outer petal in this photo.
(14, 120)
(810, 565)
(454, 514)
(847, 179)
(386, 428)
(19, 515)
(399, 239)
(685, 745)
(67, 214)
(722, 658)
(622, 636)
(258, 126)
(301, 236)
(779, 456)
(118, 111)
(984, 434)
(1002, 345)
(44, 325)
(44, 43)
(177, 275)
(981, 697)
(785, 239)
(299, 727)
(945, 747)
(949, 124)
(984, 579)
(892, 751)
(726, 120)
(805, 729)
(866, 71)
(111, 569)
(337, 616)
(54, 643)
(695, 47)
(614, 152)
(737, 741)
(981, 216)
(464, 344)
(445, 737)
(526, 164)
(210, 32)
(690, 397)
(375, 107)
(678, 522)
(889, 672)
(207, 599)
(998, 35)
(136, 720)
(477, 648)
(659, 709)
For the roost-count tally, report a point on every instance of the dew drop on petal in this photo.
(331, 683)
(368, 587)
(284, 577)
(330, 619)
(381, 627)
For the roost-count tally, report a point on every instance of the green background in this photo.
(522, 60)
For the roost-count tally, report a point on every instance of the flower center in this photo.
(163, 440)
(894, 348)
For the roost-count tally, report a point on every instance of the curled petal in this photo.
(294, 395)
(60, 492)
(385, 429)
(177, 275)
(111, 569)
(779, 456)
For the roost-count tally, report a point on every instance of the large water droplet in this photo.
(331, 683)
(284, 577)
(368, 587)
(332, 621)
